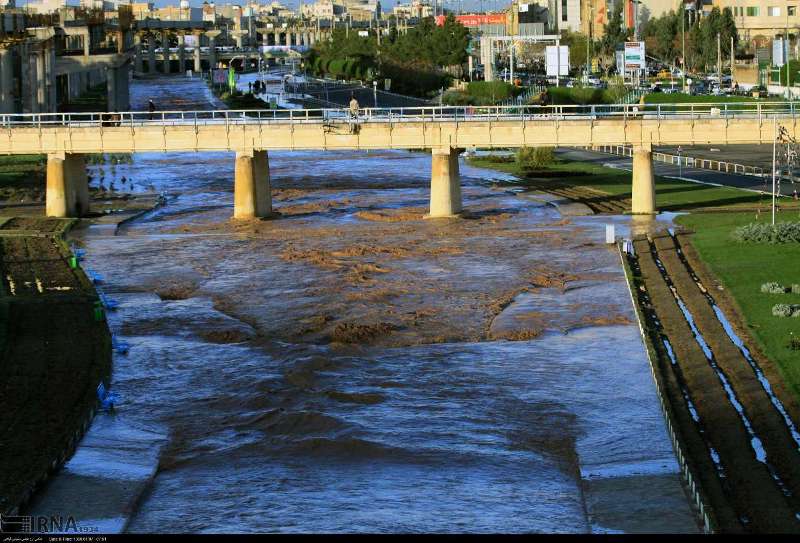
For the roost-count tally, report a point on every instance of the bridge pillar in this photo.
(212, 52)
(67, 186)
(165, 49)
(445, 183)
(6, 81)
(198, 67)
(263, 185)
(252, 194)
(111, 88)
(151, 53)
(181, 54)
(643, 193)
(137, 51)
(117, 86)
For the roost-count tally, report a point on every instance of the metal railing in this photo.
(761, 111)
(686, 161)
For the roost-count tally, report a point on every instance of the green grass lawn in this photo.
(19, 174)
(671, 194)
(743, 268)
(681, 98)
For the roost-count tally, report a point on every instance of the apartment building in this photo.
(762, 20)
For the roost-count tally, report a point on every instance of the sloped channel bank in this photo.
(56, 350)
(732, 421)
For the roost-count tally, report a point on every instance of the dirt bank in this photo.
(54, 353)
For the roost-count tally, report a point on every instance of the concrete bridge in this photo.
(67, 138)
(157, 46)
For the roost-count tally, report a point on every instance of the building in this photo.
(181, 12)
(762, 21)
(141, 10)
(564, 15)
(413, 10)
(323, 9)
(45, 6)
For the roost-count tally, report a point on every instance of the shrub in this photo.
(584, 95)
(782, 310)
(794, 343)
(457, 98)
(491, 92)
(531, 159)
(782, 232)
(773, 288)
(616, 90)
(795, 288)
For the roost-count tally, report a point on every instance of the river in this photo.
(352, 367)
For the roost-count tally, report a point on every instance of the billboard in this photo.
(220, 77)
(557, 59)
(473, 20)
(634, 55)
(779, 50)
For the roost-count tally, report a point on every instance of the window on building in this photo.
(752, 11)
(774, 11)
(564, 16)
(738, 11)
(791, 11)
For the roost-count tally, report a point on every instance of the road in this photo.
(748, 182)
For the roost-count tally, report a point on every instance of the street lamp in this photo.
(686, 7)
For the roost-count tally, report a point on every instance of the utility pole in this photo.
(774, 171)
(785, 46)
(683, 47)
(719, 61)
(733, 59)
(511, 60)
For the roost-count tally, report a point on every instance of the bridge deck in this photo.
(396, 128)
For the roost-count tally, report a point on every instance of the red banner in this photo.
(476, 19)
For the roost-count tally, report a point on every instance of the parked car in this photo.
(758, 92)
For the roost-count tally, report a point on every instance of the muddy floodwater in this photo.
(351, 366)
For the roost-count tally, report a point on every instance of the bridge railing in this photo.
(760, 110)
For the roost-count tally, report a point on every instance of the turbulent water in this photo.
(433, 426)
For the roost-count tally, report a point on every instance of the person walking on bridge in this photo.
(353, 113)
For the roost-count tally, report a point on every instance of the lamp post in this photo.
(786, 56)
(683, 45)
(690, 7)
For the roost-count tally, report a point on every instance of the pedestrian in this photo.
(250, 87)
(151, 107)
(353, 113)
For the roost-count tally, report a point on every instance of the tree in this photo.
(616, 34)
(450, 43)
(659, 36)
(577, 47)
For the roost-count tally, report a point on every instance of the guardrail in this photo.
(761, 111)
(687, 161)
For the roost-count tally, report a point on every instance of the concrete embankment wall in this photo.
(55, 349)
(688, 470)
